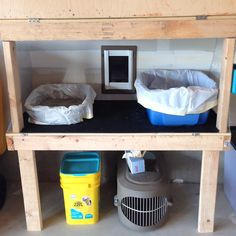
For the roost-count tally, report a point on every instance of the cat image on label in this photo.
(87, 200)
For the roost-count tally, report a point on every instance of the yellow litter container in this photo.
(80, 181)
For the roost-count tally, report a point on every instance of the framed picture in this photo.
(118, 69)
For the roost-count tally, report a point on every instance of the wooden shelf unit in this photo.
(114, 20)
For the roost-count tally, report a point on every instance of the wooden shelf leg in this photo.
(208, 187)
(13, 84)
(225, 85)
(29, 181)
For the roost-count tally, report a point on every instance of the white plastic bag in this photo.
(52, 114)
(176, 92)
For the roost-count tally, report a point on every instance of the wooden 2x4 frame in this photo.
(114, 20)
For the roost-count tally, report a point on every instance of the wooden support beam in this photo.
(117, 29)
(13, 83)
(208, 187)
(29, 181)
(116, 141)
(225, 84)
(14, 9)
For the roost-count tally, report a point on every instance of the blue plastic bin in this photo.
(80, 163)
(234, 81)
(162, 119)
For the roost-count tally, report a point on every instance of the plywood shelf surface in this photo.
(119, 117)
(118, 125)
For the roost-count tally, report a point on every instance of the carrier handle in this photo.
(116, 201)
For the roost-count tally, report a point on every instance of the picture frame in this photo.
(118, 69)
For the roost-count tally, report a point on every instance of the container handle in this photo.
(116, 201)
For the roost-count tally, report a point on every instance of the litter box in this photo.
(162, 119)
(60, 104)
(176, 97)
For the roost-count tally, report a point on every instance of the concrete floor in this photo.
(182, 218)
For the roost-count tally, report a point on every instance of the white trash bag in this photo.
(60, 104)
(176, 92)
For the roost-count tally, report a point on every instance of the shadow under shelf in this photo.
(119, 117)
(233, 138)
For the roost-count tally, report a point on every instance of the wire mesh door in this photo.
(144, 211)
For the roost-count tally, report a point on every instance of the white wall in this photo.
(81, 61)
(25, 75)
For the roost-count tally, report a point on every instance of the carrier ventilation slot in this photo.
(144, 211)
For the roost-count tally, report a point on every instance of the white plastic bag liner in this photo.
(176, 92)
(61, 114)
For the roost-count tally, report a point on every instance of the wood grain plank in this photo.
(29, 181)
(208, 187)
(117, 29)
(110, 142)
(2, 122)
(225, 84)
(21, 9)
(13, 84)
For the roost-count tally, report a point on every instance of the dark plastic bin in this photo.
(229, 171)
(3, 189)
(162, 119)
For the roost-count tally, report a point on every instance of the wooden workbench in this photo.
(114, 20)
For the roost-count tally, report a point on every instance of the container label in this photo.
(78, 204)
(88, 216)
(75, 214)
(82, 205)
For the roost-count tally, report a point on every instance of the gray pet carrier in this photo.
(142, 199)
